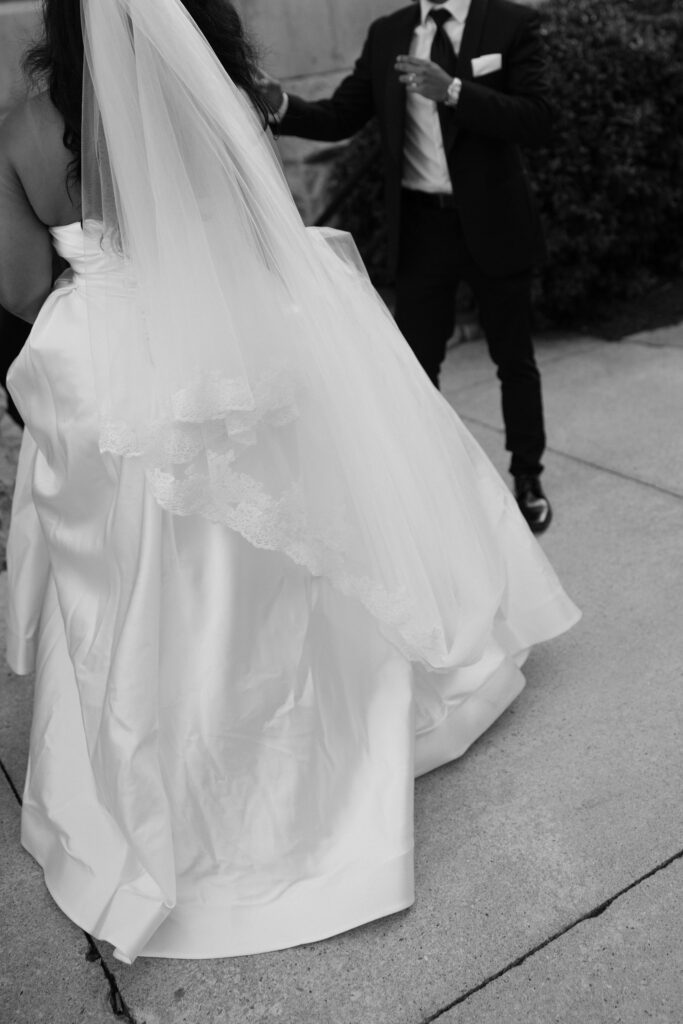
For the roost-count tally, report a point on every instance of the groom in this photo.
(457, 86)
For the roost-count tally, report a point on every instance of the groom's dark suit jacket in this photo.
(495, 114)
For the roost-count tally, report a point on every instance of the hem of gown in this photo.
(541, 623)
(311, 910)
(137, 920)
(20, 653)
(104, 911)
(308, 911)
(468, 719)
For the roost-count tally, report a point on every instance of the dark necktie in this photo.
(442, 52)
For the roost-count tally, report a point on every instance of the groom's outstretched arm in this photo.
(343, 114)
(522, 113)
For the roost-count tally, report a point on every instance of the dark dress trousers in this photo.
(488, 233)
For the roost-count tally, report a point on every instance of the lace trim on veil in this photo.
(240, 502)
(231, 410)
(215, 421)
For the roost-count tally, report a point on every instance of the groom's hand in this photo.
(271, 90)
(423, 77)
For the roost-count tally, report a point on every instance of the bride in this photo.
(263, 573)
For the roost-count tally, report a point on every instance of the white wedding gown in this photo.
(224, 744)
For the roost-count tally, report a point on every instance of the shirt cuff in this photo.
(277, 115)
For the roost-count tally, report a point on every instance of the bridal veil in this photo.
(260, 378)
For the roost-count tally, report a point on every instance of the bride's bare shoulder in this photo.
(32, 151)
(12, 130)
(33, 129)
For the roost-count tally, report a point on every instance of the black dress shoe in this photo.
(533, 503)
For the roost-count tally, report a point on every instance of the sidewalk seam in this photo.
(15, 791)
(115, 999)
(588, 916)
(585, 462)
(636, 341)
(452, 394)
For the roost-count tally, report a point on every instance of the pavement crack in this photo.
(590, 915)
(116, 1001)
(17, 794)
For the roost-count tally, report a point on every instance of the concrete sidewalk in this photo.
(550, 857)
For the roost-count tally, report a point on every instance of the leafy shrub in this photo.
(609, 184)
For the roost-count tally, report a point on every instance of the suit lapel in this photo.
(469, 48)
(471, 38)
(398, 40)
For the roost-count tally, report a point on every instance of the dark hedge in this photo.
(609, 184)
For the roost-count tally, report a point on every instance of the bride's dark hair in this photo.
(56, 61)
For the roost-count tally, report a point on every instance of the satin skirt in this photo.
(223, 746)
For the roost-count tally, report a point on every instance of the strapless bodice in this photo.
(87, 250)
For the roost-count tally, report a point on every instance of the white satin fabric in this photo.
(224, 744)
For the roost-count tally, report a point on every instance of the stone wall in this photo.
(19, 22)
(303, 38)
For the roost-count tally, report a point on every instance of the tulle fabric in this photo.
(257, 376)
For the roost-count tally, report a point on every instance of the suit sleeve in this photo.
(522, 114)
(349, 108)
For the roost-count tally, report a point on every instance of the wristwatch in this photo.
(453, 94)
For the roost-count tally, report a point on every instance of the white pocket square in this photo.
(486, 64)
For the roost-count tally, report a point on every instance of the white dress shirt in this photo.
(424, 158)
